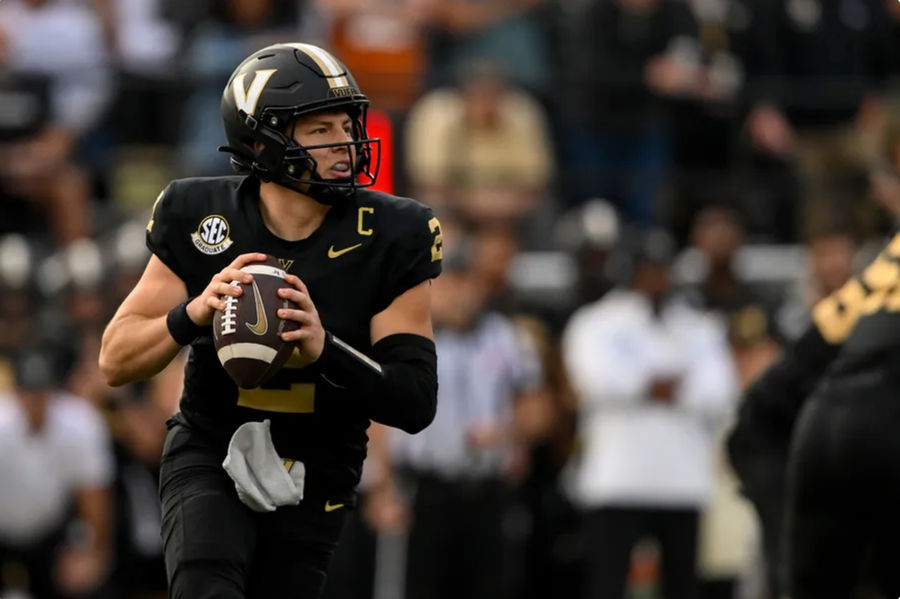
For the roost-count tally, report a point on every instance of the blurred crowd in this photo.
(640, 201)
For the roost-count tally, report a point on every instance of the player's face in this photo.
(328, 128)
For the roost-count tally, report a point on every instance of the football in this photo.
(247, 334)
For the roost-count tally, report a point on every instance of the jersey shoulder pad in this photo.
(191, 196)
(192, 211)
(397, 216)
(412, 240)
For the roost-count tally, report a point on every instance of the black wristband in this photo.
(346, 367)
(182, 329)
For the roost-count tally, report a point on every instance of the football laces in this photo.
(230, 313)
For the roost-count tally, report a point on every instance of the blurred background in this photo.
(640, 201)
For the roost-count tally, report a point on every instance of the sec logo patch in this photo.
(211, 237)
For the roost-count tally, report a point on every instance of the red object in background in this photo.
(379, 125)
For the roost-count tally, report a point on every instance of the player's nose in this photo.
(344, 144)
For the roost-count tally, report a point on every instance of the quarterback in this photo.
(357, 264)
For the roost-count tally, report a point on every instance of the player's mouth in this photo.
(340, 169)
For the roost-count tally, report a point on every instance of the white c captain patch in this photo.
(211, 237)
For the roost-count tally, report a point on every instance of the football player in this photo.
(358, 266)
(816, 446)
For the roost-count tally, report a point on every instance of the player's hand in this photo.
(202, 308)
(309, 336)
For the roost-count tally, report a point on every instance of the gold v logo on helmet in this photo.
(262, 323)
(246, 99)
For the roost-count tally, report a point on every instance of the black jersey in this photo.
(363, 255)
(863, 317)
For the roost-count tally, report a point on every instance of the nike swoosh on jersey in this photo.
(330, 507)
(262, 323)
(332, 253)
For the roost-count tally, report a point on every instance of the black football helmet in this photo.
(261, 102)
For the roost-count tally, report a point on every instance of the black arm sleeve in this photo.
(406, 397)
(398, 382)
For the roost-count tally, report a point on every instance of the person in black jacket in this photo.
(815, 444)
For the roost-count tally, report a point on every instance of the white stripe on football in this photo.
(253, 351)
(263, 269)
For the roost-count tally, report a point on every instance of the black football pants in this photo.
(216, 547)
(843, 507)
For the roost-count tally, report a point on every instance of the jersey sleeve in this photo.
(161, 229)
(415, 254)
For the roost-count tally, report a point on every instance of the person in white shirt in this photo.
(653, 378)
(55, 459)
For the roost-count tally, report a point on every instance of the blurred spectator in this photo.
(461, 464)
(712, 281)
(590, 232)
(617, 146)
(17, 293)
(552, 566)
(708, 272)
(482, 147)
(150, 82)
(494, 249)
(54, 457)
(509, 33)
(138, 425)
(704, 123)
(830, 256)
(816, 90)
(654, 378)
(710, 265)
(382, 42)
(884, 176)
(41, 166)
(238, 27)
(732, 545)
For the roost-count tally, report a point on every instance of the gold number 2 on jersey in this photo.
(877, 289)
(437, 248)
(299, 398)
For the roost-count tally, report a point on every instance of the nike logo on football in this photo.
(332, 253)
(330, 507)
(262, 323)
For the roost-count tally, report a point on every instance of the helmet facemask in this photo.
(279, 158)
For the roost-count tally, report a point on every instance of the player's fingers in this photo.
(228, 289)
(245, 259)
(300, 316)
(298, 297)
(297, 336)
(234, 274)
(295, 281)
(214, 303)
